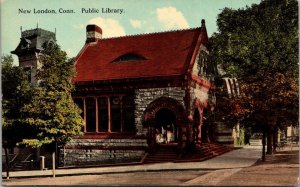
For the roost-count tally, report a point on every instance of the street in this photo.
(281, 169)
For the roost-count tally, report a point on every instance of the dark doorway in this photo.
(165, 127)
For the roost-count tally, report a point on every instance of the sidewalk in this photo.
(279, 169)
(238, 158)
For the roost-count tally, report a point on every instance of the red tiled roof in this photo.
(166, 53)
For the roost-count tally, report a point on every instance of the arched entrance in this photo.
(165, 126)
(166, 117)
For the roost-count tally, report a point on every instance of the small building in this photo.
(141, 91)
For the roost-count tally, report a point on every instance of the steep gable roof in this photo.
(162, 54)
(34, 40)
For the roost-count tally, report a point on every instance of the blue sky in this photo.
(141, 16)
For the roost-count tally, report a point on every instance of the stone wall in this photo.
(143, 97)
(197, 93)
(223, 134)
(102, 151)
(110, 151)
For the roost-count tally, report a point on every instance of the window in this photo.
(120, 117)
(115, 103)
(202, 63)
(128, 113)
(90, 114)
(80, 104)
(129, 57)
(102, 114)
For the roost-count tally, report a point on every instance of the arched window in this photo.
(129, 57)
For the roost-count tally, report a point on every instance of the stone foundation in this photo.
(102, 151)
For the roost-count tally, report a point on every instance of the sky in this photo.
(138, 17)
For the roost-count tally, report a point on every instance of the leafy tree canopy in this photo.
(16, 92)
(51, 112)
(259, 46)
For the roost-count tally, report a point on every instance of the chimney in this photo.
(93, 33)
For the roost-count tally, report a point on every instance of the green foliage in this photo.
(51, 112)
(263, 36)
(238, 141)
(16, 92)
(259, 46)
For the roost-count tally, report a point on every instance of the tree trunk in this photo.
(263, 158)
(269, 142)
(6, 163)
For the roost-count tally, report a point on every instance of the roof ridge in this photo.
(153, 33)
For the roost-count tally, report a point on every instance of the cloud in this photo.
(135, 23)
(110, 27)
(79, 26)
(171, 18)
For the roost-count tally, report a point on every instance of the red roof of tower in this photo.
(163, 54)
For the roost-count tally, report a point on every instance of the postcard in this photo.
(148, 93)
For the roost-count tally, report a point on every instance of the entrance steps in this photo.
(199, 153)
(24, 162)
(163, 154)
(205, 151)
(20, 166)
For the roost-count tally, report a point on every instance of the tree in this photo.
(259, 45)
(16, 92)
(52, 112)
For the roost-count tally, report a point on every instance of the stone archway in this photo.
(165, 102)
(164, 106)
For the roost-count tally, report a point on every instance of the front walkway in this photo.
(280, 169)
(239, 158)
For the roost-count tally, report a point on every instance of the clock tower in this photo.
(29, 49)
